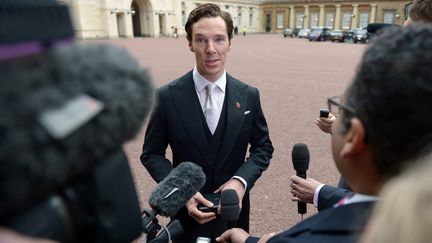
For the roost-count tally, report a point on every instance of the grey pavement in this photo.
(294, 77)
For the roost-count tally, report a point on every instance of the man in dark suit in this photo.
(382, 127)
(211, 127)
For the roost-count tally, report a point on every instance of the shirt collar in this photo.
(357, 197)
(201, 82)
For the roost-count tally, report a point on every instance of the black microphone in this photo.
(300, 159)
(229, 205)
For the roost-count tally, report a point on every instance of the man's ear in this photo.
(190, 47)
(354, 139)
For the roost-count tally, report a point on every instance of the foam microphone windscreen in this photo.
(300, 157)
(229, 205)
(177, 188)
(63, 111)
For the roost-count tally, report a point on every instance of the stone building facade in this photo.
(345, 15)
(153, 18)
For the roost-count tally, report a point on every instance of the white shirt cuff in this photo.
(316, 193)
(242, 180)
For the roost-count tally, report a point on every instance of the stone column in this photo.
(292, 17)
(337, 18)
(306, 19)
(354, 16)
(321, 16)
(373, 13)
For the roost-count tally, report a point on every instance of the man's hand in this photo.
(234, 235)
(303, 190)
(235, 184)
(194, 212)
(325, 123)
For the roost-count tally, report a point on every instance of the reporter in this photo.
(369, 146)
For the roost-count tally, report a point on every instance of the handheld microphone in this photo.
(168, 197)
(300, 159)
(229, 205)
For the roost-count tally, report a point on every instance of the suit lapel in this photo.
(186, 101)
(236, 105)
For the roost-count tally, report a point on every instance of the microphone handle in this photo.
(301, 206)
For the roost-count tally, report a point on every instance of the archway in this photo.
(142, 18)
(136, 20)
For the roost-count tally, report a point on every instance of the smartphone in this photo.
(324, 112)
(212, 197)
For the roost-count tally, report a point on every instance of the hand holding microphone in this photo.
(300, 159)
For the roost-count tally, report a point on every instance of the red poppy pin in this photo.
(238, 105)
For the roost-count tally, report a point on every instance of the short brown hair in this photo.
(421, 10)
(208, 10)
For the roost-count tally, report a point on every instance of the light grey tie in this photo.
(211, 109)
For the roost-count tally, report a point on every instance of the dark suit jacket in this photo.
(330, 195)
(177, 121)
(343, 224)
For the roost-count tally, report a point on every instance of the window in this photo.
(239, 19)
(226, 7)
(329, 20)
(364, 20)
(314, 20)
(346, 21)
(389, 17)
(250, 19)
(280, 19)
(183, 17)
(299, 20)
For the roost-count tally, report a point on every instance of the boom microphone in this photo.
(64, 109)
(177, 188)
(300, 160)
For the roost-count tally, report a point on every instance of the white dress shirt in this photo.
(218, 95)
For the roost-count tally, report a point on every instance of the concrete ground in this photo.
(294, 77)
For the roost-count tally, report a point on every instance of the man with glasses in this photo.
(418, 11)
(322, 195)
(383, 125)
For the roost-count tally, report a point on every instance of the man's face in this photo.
(211, 45)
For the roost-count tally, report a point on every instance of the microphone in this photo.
(168, 197)
(67, 110)
(177, 188)
(229, 205)
(300, 160)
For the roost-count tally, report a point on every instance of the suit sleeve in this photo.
(261, 149)
(329, 196)
(155, 143)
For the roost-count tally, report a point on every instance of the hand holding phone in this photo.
(212, 197)
(324, 113)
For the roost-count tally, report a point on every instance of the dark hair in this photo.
(421, 10)
(392, 96)
(208, 10)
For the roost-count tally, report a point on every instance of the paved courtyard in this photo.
(294, 77)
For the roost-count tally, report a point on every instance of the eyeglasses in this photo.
(407, 9)
(335, 105)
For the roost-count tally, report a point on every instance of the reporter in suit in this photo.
(180, 120)
(372, 141)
